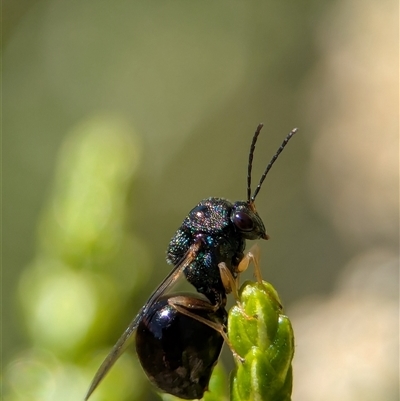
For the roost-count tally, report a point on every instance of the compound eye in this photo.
(243, 221)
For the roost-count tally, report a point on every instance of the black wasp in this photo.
(179, 336)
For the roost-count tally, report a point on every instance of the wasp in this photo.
(179, 337)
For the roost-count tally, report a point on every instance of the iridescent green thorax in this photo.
(222, 228)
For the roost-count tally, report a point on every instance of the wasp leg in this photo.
(229, 282)
(252, 256)
(231, 285)
(183, 305)
(193, 303)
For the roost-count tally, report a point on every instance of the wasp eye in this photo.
(243, 221)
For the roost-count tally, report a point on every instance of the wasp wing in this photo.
(127, 337)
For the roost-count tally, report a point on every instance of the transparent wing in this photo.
(127, 337)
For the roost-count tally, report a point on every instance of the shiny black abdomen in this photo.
(209, 223)
(177, 352)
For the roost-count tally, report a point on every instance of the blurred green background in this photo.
(119, 117)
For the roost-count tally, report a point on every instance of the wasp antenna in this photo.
(250, 165)
(270, 164)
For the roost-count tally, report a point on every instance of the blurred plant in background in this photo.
(347, 339)
(87, 267)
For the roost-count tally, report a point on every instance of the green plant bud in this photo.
(263, 337)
